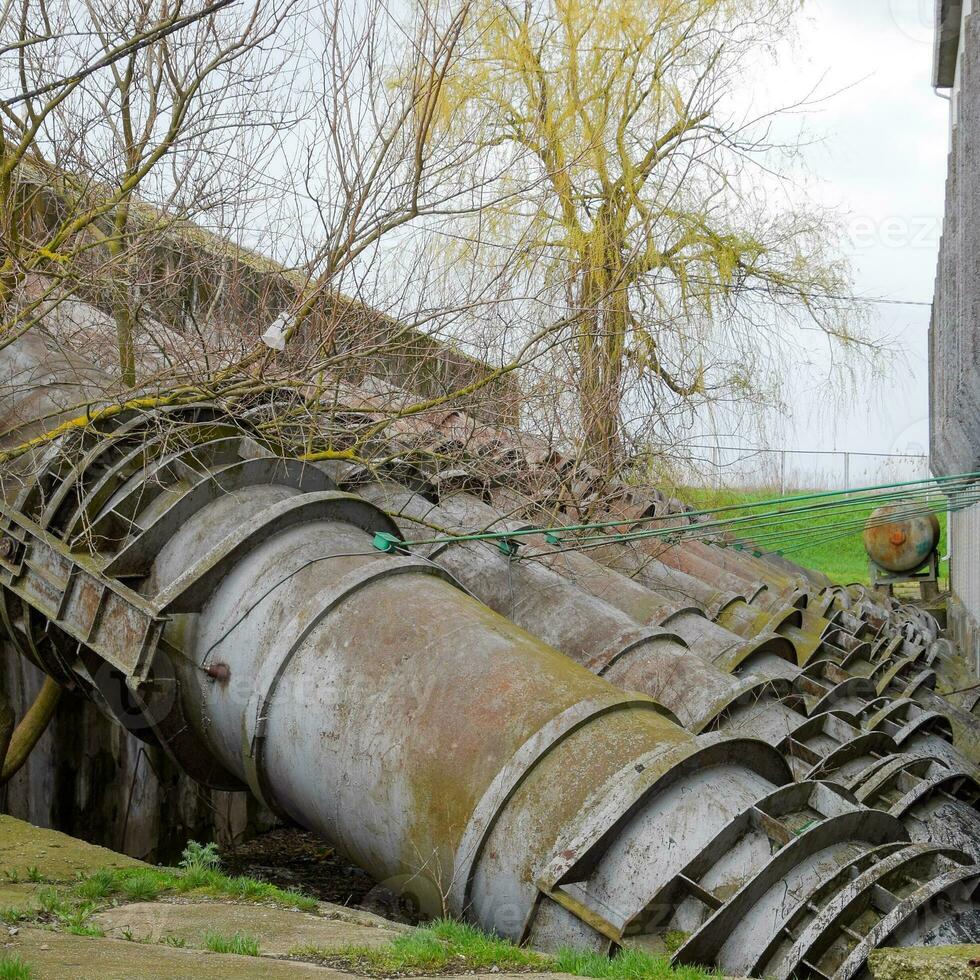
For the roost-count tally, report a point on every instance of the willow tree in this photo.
(640, 199)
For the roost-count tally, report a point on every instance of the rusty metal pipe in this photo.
(702, 696)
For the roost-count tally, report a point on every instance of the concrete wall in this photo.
(954, 336)
(202, 292)
(90, 778)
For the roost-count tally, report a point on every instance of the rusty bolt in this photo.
(219, 672)
(897, 538)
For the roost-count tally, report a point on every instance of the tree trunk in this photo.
(119, 247)
(600, 345)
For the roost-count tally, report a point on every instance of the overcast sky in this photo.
(881, 157)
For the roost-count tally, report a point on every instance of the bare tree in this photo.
(127, 118)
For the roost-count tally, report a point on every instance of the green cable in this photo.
(775, 530)
(755, 520)
(508, 544)
(921, 510)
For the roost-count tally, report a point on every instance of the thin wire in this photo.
(299, 568)
(775, 528)
(697, 529)
(853, 499)
(918, 510)
(286, 578)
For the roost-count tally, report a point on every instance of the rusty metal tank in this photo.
(900, 537)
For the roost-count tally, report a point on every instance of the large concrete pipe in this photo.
(771, 583)
(934, 800)
(231, 606)
(727, 598)
(897, 667)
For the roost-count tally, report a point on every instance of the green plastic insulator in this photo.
(756, 554)
(384, 541)
(551, 537)
(738, 547)
(508, 546)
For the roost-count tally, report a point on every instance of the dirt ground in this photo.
(294, 858)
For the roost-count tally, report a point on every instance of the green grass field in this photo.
(825, 546)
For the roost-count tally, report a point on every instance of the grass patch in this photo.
(447, 946)
(143, 886)
(70, 907)
(628, 964)
(828, 548)
(197, 874)
(14, 968)
(96, 886)
(239, 942)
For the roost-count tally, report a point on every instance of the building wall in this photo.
(954, 336)
(197, 291)
(964, 570)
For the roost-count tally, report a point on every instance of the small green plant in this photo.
(147, 884)
(34, 873)
(305, 903)
(144, 886)
(127, 934)
(627, 964)
(12, 875)
(175, 941)
(200, 856)
(249, 888)
(85, 929)
(194, 878)
(10, 915)
(443, 944)
(14, 968)
(74, 918)
(99, 885)
(49, 901)
(239, 942)
(674, 939)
